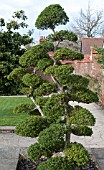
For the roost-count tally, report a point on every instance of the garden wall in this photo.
(90, 68)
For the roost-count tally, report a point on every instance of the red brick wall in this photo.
(88, 67)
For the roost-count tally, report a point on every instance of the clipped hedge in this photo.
(32, 56)
(55, 107)
(41, 101)
(63, 35)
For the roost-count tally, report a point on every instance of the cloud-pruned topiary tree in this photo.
(51, 85)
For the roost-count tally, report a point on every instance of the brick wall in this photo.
(89, 67)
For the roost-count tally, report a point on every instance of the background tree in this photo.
(12, 46)
(51, 86)
(89, 23)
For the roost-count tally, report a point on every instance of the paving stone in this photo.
(8, 164)
(101, 163)
(9, 158)
(9, 152)
(98, 152)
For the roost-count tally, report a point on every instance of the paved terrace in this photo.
(11, 144)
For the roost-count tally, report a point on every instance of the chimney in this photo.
(42, 37)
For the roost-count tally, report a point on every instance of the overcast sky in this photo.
(33, 8)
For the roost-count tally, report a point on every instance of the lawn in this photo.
(7, 104)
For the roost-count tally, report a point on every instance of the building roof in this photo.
(87, 43)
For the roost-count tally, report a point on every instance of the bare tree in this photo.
(89, 23)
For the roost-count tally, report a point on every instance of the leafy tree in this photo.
(53, 119)
(89, 23)
(11, 42)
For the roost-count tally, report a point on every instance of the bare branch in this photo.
(89, 22)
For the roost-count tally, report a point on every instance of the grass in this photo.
(7, 104)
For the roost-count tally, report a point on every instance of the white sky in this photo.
(33, 8)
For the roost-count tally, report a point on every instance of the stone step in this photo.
(7, 129)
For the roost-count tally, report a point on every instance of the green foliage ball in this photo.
(83, 95)
(59, 71)
(75, 81)
(45, 89)
(32, 80)
(81, 116)
(82, 130)
(63, 35)
(67, 54)
(34, 151)
(77, 153)
(52, 139)
(32, 126)
(56, 163)
(44, 63)
(23, 108)
(51, 16)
